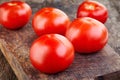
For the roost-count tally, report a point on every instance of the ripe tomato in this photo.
(87, 35)
(14, 14)
(51, 53)
(94, 10)
(50, 20)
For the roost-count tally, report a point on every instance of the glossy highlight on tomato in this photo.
(51, 53)
(50, 20)
(87, 35)
(93, 9)
(14, 14)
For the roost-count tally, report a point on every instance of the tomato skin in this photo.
(51, 53)
(50, 20)
(14, 14)
(94, 10)
(87, 35)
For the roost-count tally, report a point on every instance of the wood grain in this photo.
(110, 76)
(6, 69)
(15, 46)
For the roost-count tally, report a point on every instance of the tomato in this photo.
(50, 20)
(87, 35)
(51, 53)
(14, 14)
(93, 9)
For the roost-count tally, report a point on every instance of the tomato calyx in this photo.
(12, 4)
(90, 7)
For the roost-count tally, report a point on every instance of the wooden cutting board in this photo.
(15, 45)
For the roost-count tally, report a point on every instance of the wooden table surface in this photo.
(104, 63)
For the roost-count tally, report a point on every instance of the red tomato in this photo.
(14, 14)
(51, 53)
(94, 10)
(50, 20)
(87, 35)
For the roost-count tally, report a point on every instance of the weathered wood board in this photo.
(110, 76)
(6, 73)
(15, 46)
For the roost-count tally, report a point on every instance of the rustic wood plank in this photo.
(6, 69)
(110, 76)
(16, 50)
(15, 47)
